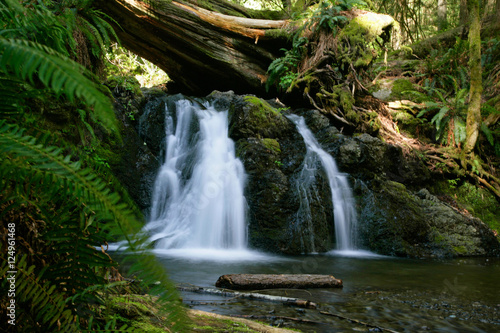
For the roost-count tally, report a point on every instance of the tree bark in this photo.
(203, 50)
(276, 281)
(199, 49)
(464, 13)
(442, 19)
(476, 84)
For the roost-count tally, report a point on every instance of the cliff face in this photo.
(397, 215)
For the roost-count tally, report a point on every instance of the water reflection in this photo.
(405, 295)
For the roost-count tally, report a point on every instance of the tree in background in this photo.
(442, 19)
(476, 85)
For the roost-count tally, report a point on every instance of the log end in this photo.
(224, 281)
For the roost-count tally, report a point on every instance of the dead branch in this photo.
(229, 293)
(357, 321)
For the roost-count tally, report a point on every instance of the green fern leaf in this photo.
(489, 135)
(25, 60)
(437, 119)
(40, 298)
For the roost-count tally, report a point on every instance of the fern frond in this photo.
(26, 60)
(39, 297)
(149, 270)
(46, 162)
(489, 135)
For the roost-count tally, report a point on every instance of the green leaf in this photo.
(439, 116)
(489, 135)
(26, 60)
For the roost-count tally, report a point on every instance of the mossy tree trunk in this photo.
(476, 84)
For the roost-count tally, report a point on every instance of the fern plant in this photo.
(284, 70)
(448, 114)
(63, 212)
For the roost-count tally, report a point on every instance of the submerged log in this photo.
(290, 301)
(275, 281)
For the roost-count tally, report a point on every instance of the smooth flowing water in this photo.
(198, 200)
(344, 211)
(198, 226)
(404, 295)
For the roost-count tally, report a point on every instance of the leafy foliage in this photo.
(450, 116)
(328, 15)
(447, 68)
(284, 69)
(63, 212)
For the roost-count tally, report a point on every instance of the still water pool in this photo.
(393, 294)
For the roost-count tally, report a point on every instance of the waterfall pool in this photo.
(199, 229)
(404, 295)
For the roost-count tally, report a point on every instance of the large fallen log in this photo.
(222, 46)
(276, 281)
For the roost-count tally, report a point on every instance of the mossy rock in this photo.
(401, 89)
(476, 200)
(397, 89)
(138, 311)
(272, 144)
(397, 221)
(255, 117)
(124, 85)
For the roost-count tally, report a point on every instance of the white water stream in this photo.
(205, 209)
(343, 202)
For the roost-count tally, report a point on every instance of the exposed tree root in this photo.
(441, 159)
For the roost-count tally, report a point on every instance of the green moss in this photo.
(480, 203)
(477, 201)
(133, 306)
(371, 123)
(460, 250)
(128, 84)
(261, 120)
(272, 145)
(346, 100)
(214, 325)
(148, 327)
(400, 89)
(436, 237)
(277, 34)
(353, 116)
(262, 108)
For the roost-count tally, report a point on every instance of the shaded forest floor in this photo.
(425, 115)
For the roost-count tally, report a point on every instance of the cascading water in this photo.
(343, 202)
(198, 200)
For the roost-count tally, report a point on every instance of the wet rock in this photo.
(272, 152)
(396, 222)
(397, 215)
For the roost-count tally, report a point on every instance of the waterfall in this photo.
(342, 200)
(198, 200)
